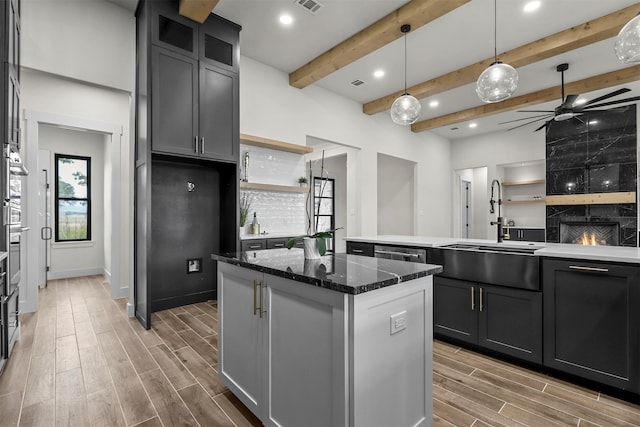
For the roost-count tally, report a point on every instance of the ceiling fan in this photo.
(568, 110)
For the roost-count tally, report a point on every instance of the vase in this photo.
(242, 231)
(310, 248)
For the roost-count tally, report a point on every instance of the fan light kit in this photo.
(406, 108)
(499, 81)
(627, 46)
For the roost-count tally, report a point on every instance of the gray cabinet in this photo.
(187, 142)
(10, 54)
(273, 243)
(360, 248)
(592, 321)
(195, 88)
(502, 319)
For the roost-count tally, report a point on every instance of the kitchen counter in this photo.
(553, 250)
(350, 274)
(268, 236)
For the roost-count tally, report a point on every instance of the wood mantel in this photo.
(592, 199)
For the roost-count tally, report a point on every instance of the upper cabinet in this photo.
(195, 89)
(11, 72)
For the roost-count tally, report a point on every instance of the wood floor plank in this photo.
(193, 310)
(201, 370)
(67, 356)
(85, 335)
(168, 335)
(10, 409)
(172, 367)
(204, 409)
(451, 414)
(65, 325)
(94, 368)
(152, 422)
(172, 321)
(44, 340)
(148, 336)
(104, 409)
(454, 364)
(210, 321)
(133, 398)
(28, 324)
(202, 347)
(14, 377)
(101, 321)
(470, 393)
(527, 418)
(239, 414)
(200, 328)
(41, 380)
(71, 400)
(137, 352)
(207, 309)
(171, 409)
(212, 340)
(38, 415)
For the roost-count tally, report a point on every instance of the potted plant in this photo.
(302, 181)
(245, 207)
(315, 244)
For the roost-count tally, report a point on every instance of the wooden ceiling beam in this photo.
(573, 38)
(602, 81)
(387, 29)
(197, 10)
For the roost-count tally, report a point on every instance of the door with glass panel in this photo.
(324, 212)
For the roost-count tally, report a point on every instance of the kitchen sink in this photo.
(515, 267)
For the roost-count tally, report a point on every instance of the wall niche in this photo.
(592, 154)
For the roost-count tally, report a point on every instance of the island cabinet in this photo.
(592, 321)
(302, 355)
(194, 73)
(501, 319)
(360, 248)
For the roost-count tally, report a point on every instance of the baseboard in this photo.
(131, 310)
(66, 274)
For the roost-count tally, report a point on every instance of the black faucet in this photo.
(499, 220)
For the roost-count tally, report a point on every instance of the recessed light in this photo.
(473, 125)
(286, 19)
(434, 104)
(593, 122)
(378, 74)
(531, 6)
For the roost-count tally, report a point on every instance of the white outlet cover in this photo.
(398, 322)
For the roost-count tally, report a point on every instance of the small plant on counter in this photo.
(303, 181)
(245, 207)
(320, 237)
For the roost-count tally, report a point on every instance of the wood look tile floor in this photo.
(81, 362)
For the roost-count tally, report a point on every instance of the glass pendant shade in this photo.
(405, 110)
(627, 46)
(498, 82)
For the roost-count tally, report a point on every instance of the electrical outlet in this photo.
(398, 322)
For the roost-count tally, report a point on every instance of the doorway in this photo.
(396, 196)
(112, 133)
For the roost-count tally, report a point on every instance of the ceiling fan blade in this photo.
(607, 96)
(535, 111)
(604, 104)
(544, 125)
(569, 100)
(527, 118)
(524, 124)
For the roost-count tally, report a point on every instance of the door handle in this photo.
(480, 299)
(593, 269)
(255, 306)
(195, 143)
(473, 299)
(357, 251)
(261, 299)
(202, 145)
(278, 245)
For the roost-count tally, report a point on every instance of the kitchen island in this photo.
(343, 340)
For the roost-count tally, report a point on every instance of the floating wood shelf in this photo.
(530, 182)
(517, 202)
(273, 187)
(258, 141)
(592, 199)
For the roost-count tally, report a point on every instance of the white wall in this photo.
(490, 151)
(396, 195)
(91, 41)
(270, 108)
(71, 259)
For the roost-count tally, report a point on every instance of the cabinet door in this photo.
(510, 321)
(240, 334)
(358, 248)
(276, 243)
(174, 103)
(533, 234)
(172, 31)
(592, 321)
(219, 112)
(455, 305)
(219, 43)
(13, 110)
(13, 42)
(253, 245)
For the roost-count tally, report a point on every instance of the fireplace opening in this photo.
(590, 233)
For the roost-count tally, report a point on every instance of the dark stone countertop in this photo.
(351, 274)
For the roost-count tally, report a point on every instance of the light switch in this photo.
(398, 322)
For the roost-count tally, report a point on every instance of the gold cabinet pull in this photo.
(473, 299)
(255, 307)
(581, 268)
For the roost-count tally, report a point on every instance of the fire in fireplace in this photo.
(590, 233)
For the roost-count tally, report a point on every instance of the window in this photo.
(324, 206)
(73, 198)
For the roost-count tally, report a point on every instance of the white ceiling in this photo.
(462, 37)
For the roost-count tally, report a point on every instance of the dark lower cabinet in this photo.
(502, 319)
(527, 234)
(592, 321)
(360, 248)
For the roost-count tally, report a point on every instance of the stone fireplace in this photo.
(591, 179)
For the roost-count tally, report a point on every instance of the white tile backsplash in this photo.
(278, 212)
(268, 166)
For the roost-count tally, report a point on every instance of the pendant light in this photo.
(406, 108)
(627, 45)
(499, 80)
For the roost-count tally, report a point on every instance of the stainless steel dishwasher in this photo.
(401, 253)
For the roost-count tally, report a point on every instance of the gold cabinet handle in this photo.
(473, 299)
(480, 299)
(255, 307)
(261, 299)
(581, 268)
